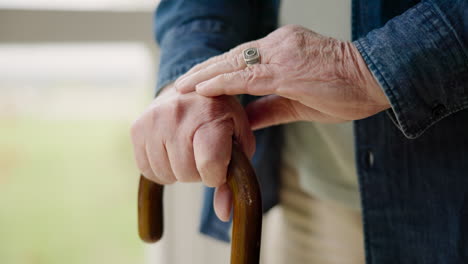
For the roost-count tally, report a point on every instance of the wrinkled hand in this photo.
(188, 137)
(306, 76)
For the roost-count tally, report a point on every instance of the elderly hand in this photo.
(187, 138)
(305, 75)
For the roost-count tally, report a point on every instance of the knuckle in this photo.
(257, 72)
(249, 74)
(221, 128)
(212, 180)
(237, 62)
(227, 77)
(210, 171)
(296, 39)
(175, 109)
(153, 114)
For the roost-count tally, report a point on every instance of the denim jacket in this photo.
(412, 159)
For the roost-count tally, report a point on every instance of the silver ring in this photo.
(251, 56)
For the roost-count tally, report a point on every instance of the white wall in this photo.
(328, 17)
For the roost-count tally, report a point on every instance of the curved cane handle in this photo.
(247, 218)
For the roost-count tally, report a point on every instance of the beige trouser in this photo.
(304, 229)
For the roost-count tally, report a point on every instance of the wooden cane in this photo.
(247, 213)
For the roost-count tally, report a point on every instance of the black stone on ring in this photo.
(251, 56)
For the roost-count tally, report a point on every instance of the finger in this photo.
(180, 153)
(235, 63)
(255, 80)
(223, 202)
(212, 144)
(274, 110)
(159, 162)
(230, 54)
(142, 161)
(202, 65)
(139, 150)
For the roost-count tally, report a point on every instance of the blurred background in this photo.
(73, 76)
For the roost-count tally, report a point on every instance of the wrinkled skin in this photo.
(186, 133)
(306, 76)
(188, 138)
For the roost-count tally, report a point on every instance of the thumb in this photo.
(271, 110)
(274, 110)
(223, 202)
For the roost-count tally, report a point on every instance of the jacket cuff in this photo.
(421, 65)
(184, 46)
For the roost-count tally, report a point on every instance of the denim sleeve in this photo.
(189, 32)
(420, 60)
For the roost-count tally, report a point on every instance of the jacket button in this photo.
(370, 159)
(438, 110)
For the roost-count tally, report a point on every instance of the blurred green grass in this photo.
(67, 192)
